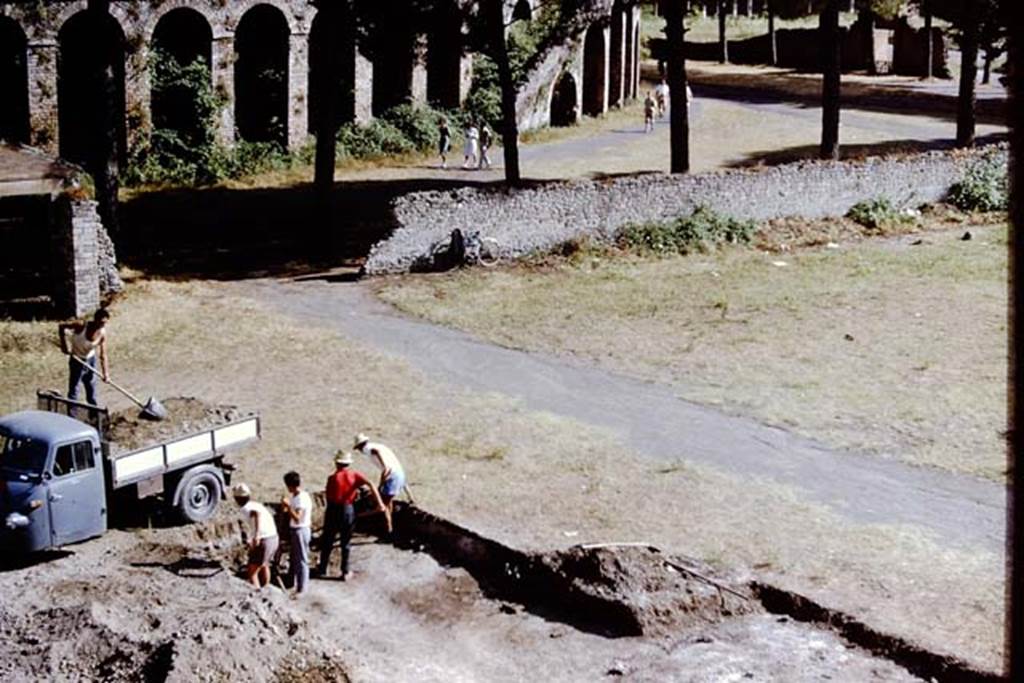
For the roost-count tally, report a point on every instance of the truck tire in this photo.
(200, 495)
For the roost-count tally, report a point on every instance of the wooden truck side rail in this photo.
(183, 451)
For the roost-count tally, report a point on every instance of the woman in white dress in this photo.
(472, 146)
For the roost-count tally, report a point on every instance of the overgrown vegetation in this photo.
(700, 229)
(984, 187)
(875, 214)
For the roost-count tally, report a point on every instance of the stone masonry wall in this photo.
(86, 268)
(540, 218)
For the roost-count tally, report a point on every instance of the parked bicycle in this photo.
(469, 248)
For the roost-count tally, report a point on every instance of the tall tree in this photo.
(497, 49)
(926, 10)
(679, 118)
(773, 46)
(105, 161)
(723, 43)
(332, 14)
(1014, 669)
(831, 45)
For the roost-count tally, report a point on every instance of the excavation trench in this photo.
(618, 590)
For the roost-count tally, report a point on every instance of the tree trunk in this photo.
(104, 164)
(327, 71)
(723, 44)
(986, 72)
(509, 124)
(1014, 669)
(929, 68)
(679, 119)
(830, 82)
(773, 47)
(965, 121)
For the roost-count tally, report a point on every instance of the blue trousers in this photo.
(77, 373)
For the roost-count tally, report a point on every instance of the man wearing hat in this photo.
(392, 475)
(262, 533)
(340, 517)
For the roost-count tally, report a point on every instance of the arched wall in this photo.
(595, 71)
(262, 67)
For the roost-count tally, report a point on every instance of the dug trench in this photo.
(662, 615)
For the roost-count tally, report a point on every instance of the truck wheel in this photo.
(200, 495)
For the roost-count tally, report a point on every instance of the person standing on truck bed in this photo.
(262, 532)
(340, 517)
(88, 340)
(299, 508)
(392, 475)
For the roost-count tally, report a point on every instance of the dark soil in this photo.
(128, 431)
(660, 594)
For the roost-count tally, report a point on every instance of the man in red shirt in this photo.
(340, 517)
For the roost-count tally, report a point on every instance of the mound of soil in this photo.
(185, 415)
(644, 591)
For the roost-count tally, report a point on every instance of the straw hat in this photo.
(342, 458)
(360, 439)
(241, 490)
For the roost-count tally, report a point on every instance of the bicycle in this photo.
(461, 249)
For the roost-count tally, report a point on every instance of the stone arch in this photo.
(321, 37)
(616, 57)
(14, 121)
(205, 10)
(523, 11)
(564, 96)
(595, 73)
(240, 9)
(444, 56)
(91, 55)
(183, 36)
(262, 49)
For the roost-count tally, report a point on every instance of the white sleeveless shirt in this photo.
(82, 346)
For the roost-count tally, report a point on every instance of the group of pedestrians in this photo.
(478, 140)
(342, 491)
(657, 103)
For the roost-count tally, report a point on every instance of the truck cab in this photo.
(52, 481)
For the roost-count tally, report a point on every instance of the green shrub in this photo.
(984, 187)
(704, 226)
(377, 139)
(418, 124)
(877, 213)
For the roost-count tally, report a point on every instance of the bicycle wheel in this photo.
(489, 250)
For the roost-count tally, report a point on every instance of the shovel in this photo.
(151, 409)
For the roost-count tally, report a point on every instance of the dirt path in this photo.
(961, 511)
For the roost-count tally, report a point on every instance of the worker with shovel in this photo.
(88, 340)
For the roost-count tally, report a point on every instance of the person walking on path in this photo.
(340, 518)
(88, 341)
(262, 532)
(648, 113)
(486, 138)
(392, 474)
(298, 505)
(444, 142)
(661, 95)
(472, 140)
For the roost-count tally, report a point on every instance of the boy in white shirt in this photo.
(299, 508)
(263, 539)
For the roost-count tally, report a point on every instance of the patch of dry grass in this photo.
(883, 346)
(524, 477)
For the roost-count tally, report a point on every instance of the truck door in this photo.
(76, 494)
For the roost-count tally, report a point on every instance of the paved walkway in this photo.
(962, 511)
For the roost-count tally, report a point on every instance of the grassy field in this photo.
(882, 345)
(527, 478)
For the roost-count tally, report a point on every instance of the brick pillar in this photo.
(42, 95)
(637, 17)
(363, 88)
(78, 285)
(419, 72)
(617, 61)
(465, 76)
(298, 90)
(223, 72)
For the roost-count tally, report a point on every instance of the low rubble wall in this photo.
(546, 215)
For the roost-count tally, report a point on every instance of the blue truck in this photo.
(59, 477)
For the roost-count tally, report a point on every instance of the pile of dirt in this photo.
(154, 606)
(644, 591)
(128, 430)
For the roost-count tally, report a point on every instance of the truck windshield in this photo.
(22, 455)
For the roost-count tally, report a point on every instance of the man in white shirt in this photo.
(392, 474)
(299, 508)
(262, 531)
